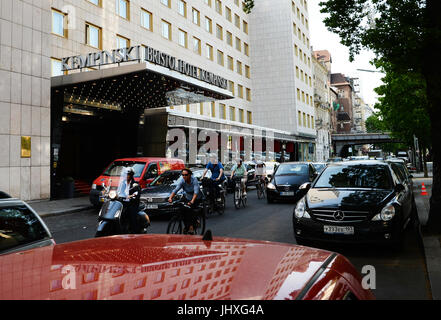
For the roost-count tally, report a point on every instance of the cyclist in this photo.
(261, 171)
(192, 196)
(217, 173)
(239, 170)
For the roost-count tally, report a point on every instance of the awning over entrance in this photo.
(139, 85)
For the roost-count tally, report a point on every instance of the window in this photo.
(166, 3)
(237, 21)
(183, 38)
(241, 116)
(56, 67)
(59, 23)
(187, 108)
(298, 94)
(238, 44)
(207, 2)
(304, 119)
(182, 8)
(147, 19)
(166, 29)
(249, 117)
(312, 103)
(240, 91)
(223, 113)
(296, 50)
(196, 17)
(213, 109)
(197, 45)
(122, 8)
(297, 72)
(239, 67)
(230, 38)
(309, 121)
(93, 36)
(201, 109)
(248, 91)
(246, 49)
(231, 87)
(247, 72)
(300, 118)
(312, 122)
(236, 2)
(209, 52)
(219, 7)
(295, 29)
(232, 114)
(228, 13)
(245, 27)
(208, 25)
(95, 2)
(230, 63)
(220, 57)
(219, 32)
(122, 42)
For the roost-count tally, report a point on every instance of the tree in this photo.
(407, 35)
(375, 124)
(248, 5)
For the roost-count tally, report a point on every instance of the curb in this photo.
(65, 211)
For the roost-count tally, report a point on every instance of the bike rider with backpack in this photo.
(192, 195)
(217, 174)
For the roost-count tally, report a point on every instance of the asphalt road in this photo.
(399, 275)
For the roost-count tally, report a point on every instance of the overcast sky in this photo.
(322, 39)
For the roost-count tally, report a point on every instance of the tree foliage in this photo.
(248, 5)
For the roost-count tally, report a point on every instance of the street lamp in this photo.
(372, 71)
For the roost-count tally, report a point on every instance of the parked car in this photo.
(146, 170)
(319, 166)
(287, 179)
(21, 228)
(166, 267)
(357, 201)
(155, 196)
(401, 170)
(251, 175)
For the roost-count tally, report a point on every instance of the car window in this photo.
(167, 178)
(300, 169)
(152, 171)
(19, 226)
(398, 172)
(355, 176)
(116, 167)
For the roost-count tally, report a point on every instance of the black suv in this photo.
(358, 201)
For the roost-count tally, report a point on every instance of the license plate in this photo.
(287, 193)
(152, 206)
(338, 230)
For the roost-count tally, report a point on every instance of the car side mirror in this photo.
(305, 187)
(399, 187)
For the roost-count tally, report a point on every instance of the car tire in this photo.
(414, 219)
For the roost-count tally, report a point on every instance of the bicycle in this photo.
(239, 197)
(176, 224)
(215, 203)
(261, 187)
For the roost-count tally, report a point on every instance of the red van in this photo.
(146, 170)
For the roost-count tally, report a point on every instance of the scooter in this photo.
(113, 220)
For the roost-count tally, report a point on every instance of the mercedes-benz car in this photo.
(357, 201)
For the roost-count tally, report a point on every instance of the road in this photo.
(399, 275)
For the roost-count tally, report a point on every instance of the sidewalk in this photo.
(46, 208)
(431, 242)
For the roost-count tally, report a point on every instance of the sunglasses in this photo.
(185, 175)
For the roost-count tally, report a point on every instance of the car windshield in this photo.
(167, 178)
(295, 169)
(318, 166)
(19, 227)
(355, 176)
(115, 168)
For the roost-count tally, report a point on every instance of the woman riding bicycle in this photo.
(192, 196)
(239, 170)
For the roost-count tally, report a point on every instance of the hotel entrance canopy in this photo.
(143, 83)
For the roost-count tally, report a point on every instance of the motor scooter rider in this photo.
(129, 190)
(217, 173)
(239, 170)
(192, 196)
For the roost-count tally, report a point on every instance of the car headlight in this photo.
(271, 186)
(112, 194)
(386, 214)
(94, 186)
(300, 210)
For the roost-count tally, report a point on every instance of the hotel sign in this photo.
(140, 54)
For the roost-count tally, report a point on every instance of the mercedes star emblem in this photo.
(339, 215)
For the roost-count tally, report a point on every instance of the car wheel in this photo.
(414, 219)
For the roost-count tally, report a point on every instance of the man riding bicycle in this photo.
(240, 171)
(217, 173)
(261, 170)
(192, 196)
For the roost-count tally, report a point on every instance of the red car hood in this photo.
(160, 267)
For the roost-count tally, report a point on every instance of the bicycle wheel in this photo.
(260, 191)
(175, 226)
(237, 197)
(200, 223)
(221, 205)
(244, 200)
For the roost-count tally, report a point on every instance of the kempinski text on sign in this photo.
(141, 53)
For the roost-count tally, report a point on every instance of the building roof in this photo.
(323, 55)
(339, 79)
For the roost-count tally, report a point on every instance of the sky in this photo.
(322, 39)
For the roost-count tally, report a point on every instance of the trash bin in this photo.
(67, 188)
